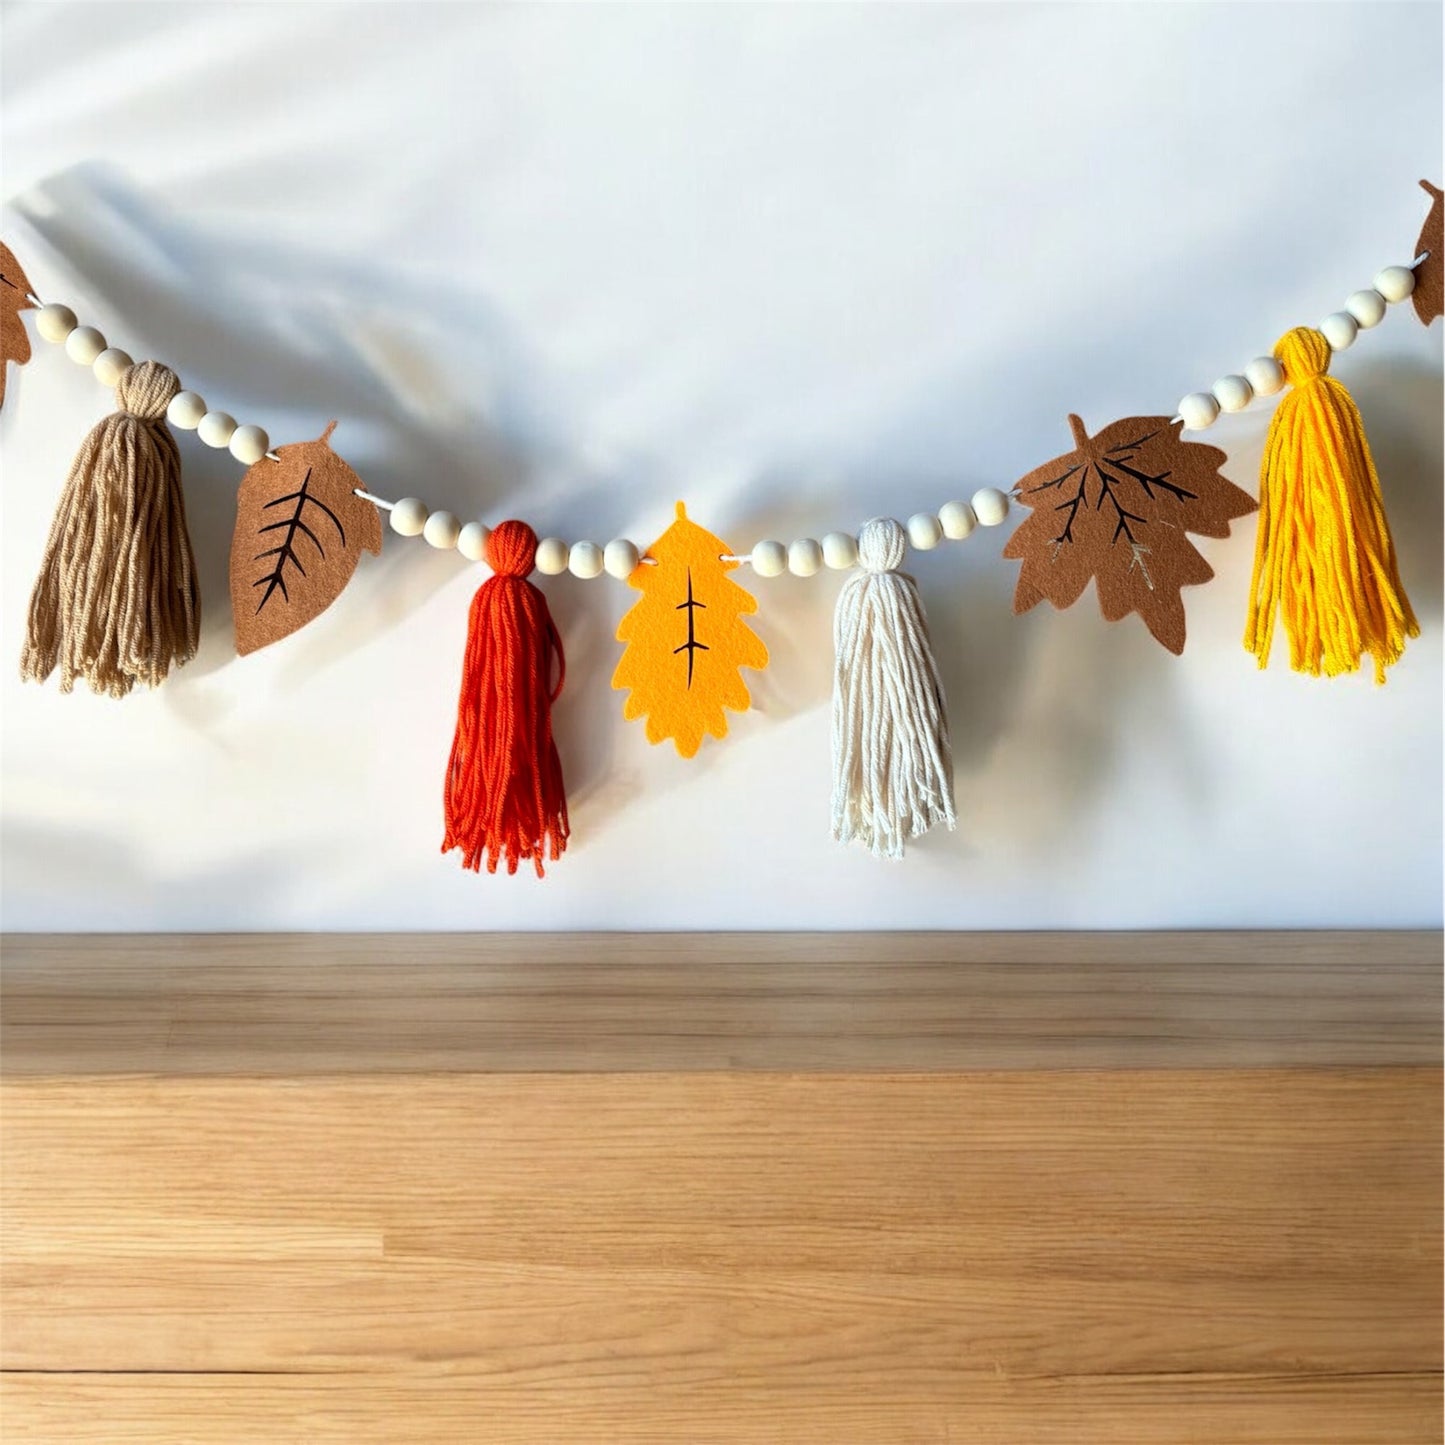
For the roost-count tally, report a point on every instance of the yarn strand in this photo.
(116, 601)
(892, 764)
(504, 795)
(1324, 558)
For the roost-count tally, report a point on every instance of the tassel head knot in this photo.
(880, 545)
(512, 549)
(1304, 353)
(145, 390)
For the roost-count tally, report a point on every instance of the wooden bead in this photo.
(1265, 375)
(216, 428)
(1233, 393)
(1339, 328)
(585, 560)
(1199, 410)
(1395, 283)
(1367, 307)
(990, 506)
(840, 551)
(552, 556)
(84, 344)
(249, 444)
(957, 520)
(111, 365)
(805, 557)
(186, 410)
(769, 559)
(619, 558)
(925, 531)
(408, 517)
(472, 543)
(55, 322)
(441, 530)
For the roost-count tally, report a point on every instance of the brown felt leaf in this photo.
(14, 298)
(1118, 509)
(1429, 292)
(300, 529)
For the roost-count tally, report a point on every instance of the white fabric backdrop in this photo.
(797, 265)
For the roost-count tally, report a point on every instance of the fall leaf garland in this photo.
(117, 602)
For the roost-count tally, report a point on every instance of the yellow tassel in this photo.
(1324, 558)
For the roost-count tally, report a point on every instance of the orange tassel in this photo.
(504, 793)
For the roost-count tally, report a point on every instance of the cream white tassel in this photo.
(892, 765)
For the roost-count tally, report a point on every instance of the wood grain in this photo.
(1126, 1256)
(307, 1004)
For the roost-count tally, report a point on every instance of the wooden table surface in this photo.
(928, 1188)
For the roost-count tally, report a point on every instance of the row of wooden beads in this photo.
(1264, 376)
(620, 558)
(87, 346)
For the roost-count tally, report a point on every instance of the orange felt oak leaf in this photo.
(686, 639)
(1429, 292)
(1118, 509)
(300, 530)
(15, 297)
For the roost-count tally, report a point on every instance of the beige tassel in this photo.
(116, 601)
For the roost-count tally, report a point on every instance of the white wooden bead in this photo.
(1395, 283)
(472, 543)
(216, 428)
(186, 410)
(840, 551)
(84, 344)
(1265, 375)
(1367, 307)
(249, 444)
(552, 556)
(55, 322)
(585, 560)
(805, 557)
(957, 520)
(925, 531)
(619, 558)
(1199, 410)
(111, 365)
(769, 559)
(1233, 393)
(1339, 328)
(990, 506)
(441, 530)
(408, 517)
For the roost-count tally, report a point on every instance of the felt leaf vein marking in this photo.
(286, 552)
(692, 646)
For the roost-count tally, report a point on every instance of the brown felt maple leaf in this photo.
(300, 531)
(1429, 292)
(14, 298)
(1118, 509)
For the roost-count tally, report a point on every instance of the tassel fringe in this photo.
(892, 764)
(504, 796)
(116, 601)
(1324, 558)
